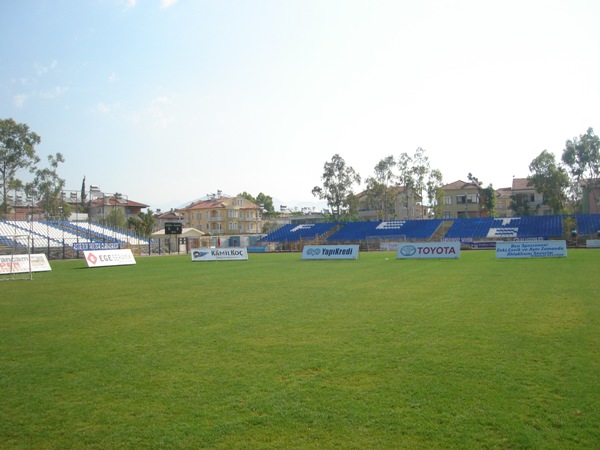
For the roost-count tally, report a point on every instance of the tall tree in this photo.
(83, 194)
(266, 201)
(435, 193)
(47, 187)
(379, 195)
(550, 180)
(582, 157)
(338, 179)
(418, 179)
(487, 197)
(405, 179)
(17, 152)
(143, 223)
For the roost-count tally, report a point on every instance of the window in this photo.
(232, 214)
(461, 199)
(472, 198)
(447, 200)
(199, 216)
(240, 202)
(248, 214)
(447, 215)
(233, 226)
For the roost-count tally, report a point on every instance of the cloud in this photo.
(164, 4)
(103, 108)
(157, 114)
(54, 93)
(19, 100)
(107, 108)
(42, 69)
(112, 77)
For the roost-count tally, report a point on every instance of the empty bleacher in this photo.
(409, 229)
(544, 227)
(463, 229)
(588, 224)
(56, 234)
(295, 233)
(469, 229)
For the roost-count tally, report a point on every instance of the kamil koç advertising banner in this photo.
(220, 254)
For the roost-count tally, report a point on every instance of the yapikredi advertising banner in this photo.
(330, 252)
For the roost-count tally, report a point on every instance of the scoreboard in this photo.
(173, 228)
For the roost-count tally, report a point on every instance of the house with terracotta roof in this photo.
(526, 201)
(504, 202)
(102, 206)
(222, 215)
(462, 200)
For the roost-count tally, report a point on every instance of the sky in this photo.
(166, 101)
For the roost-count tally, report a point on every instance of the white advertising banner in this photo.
(592, 243)
(531, 249)
(429, 250)
(104, 258)
(20, 263)
(220, 254)
(330, 252)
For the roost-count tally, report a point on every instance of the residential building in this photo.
(171, 216)
(526, 201)
(504, 202)
(400, 205)
(101, 207)
(223, 216)
(590, 190)
(462, 200)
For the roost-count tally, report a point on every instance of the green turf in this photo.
(275, 352)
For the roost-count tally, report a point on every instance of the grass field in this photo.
(275, 352)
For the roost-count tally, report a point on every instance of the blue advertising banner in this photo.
(82, 246)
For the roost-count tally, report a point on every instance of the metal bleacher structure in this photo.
(56, 236)
(463, 230)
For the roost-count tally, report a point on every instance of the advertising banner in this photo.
(483, 245)
(104, 258)
(20, 263)
(330, 252)
(429, 250)
(220, 254)
(592, 243)
(531, 249)
(80, 246)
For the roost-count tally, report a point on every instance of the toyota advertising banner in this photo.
(220, 254)
(429, 250)
(330, 252)
(531, 249)
(104, 258)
